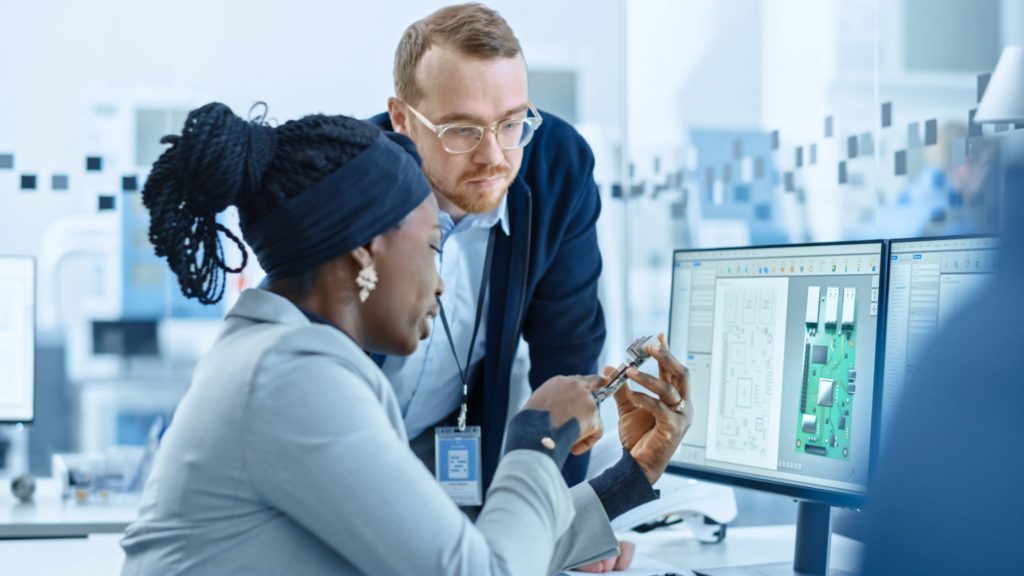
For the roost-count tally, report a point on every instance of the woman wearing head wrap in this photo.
(288, 454)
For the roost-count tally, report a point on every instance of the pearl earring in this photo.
(367, 281)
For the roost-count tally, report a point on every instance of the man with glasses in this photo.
(519, 207)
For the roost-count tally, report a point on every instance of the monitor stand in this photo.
(813, 538)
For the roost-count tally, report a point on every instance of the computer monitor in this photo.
(781, 345)
(17, 338)
(125, 338)
(930, 280)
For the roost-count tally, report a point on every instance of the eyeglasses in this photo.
(463, 137)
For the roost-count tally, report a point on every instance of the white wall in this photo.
(690, 65)
(73, 72)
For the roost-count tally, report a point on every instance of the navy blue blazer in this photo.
(543, 282)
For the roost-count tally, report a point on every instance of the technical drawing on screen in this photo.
(780, 343)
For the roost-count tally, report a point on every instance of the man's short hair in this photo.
(472, 29)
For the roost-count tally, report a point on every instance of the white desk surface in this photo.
(102, 555)
(47, 537)
(742, 546)
(50, 517)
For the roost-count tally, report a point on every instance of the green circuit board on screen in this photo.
(829, 383)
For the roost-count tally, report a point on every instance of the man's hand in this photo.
(651, 428)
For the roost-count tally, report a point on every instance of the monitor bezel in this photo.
(940, 238)
(830, 496)
(35, 337)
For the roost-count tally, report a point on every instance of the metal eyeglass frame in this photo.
(533, 122)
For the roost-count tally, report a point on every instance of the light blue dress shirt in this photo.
(427, 383)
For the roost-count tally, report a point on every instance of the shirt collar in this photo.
(482, 220)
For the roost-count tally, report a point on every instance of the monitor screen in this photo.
(780, 343)
(125, 337)
(930, 280)
(17, 338)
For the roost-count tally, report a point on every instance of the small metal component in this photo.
(816, 450)
(826, 389)
(637, 353)
(831, 305)
(849, 301)
(809, 423)
(813, 305)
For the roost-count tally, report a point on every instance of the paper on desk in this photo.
(642, 566)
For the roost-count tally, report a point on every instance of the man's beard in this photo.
(473, 202)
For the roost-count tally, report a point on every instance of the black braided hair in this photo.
(221, 160)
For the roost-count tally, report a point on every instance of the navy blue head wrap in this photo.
(366, 197)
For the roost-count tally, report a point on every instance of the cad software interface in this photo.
(930, 280)
(780, 343)
(17, 338)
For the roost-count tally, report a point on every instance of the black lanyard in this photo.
(476, 328)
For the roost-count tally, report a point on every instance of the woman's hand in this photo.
(652, 427)
(568, 397)
(621, 562)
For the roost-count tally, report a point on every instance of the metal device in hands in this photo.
(637, 353)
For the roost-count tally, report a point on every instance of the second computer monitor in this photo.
(930, 281)
(781, 345)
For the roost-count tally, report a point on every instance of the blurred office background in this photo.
(714, 123)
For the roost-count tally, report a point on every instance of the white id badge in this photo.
(457, 463)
